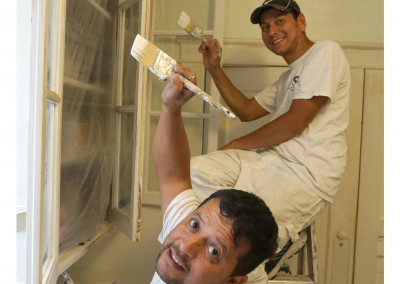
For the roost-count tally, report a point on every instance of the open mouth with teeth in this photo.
(277, 40)
(174, 261)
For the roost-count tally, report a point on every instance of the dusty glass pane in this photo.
(127, 160)
(48, 186)
(88, 119)
(194, 105)
(51, 47)
(194, 132)
(167, 13)
(132, 28)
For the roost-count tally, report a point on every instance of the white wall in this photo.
(23, 95)
(339, 20)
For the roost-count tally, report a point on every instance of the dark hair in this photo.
(295, 14)
(252, 221)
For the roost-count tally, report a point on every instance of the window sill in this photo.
(72, 255)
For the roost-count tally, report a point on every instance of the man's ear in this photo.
(238, 279)
(301, 21)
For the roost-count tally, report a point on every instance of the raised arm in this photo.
(246, 109)
(170, 148)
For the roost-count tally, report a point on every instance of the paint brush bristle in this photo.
(185, 22)
(162, 65)
(144, 51)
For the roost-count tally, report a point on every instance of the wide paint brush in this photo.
(162, 65)
(193, 29)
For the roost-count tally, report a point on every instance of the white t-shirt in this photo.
(181, 206)
(318, 155)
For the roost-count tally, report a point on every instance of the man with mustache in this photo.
(219, 240)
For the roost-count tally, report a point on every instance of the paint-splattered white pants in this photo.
(292, 203)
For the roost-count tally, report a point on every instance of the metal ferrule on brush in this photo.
(196, 31)
(163, 66)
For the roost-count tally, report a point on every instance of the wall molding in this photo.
(244, 52)
(344, 45)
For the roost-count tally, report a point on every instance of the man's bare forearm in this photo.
(283, 128)
(246, 109)
(235, 99)
(269, 135)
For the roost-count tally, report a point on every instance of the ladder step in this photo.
(291, 279)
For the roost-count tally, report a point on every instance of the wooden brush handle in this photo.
(206, 97)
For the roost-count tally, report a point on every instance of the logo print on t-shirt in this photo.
(294, 82)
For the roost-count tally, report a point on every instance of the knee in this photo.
(195, 163)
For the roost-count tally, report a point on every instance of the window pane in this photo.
(127, 160)
(167, 13)
(194, 132)
(129, 90)
(88, 119)
(52, 66)
(195, 104)
(48, 241)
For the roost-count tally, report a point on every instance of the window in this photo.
(88, 87)
(45, 135)
(200, 120)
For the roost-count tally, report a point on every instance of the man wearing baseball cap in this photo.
(295, 162)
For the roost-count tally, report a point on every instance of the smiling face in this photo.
(284, 35)
(201, 249)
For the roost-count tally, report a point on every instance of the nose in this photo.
(191, 246)
(273, 29)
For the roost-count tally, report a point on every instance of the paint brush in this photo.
(193, 29)
(162, 65)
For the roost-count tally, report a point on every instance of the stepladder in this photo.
(305, 250)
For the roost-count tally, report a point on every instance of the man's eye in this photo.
(279, 22)
(213, 251)
(194, 224)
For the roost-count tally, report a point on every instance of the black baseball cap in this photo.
(283, 5)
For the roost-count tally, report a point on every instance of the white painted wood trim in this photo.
(56, 97)
(177, 33)
(130, 225)
(214, 122)
(33, 220)
(116, 216)
(140, 147)
(184, 114)
(371, 185)
(21, 209)
(72, 255)
(359, 55)
(344, 45)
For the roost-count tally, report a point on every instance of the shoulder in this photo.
(182, 205)
(326, 53)
(328, 47)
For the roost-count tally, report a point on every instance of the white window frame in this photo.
(37, 135)
(130, 224)
(151, 197)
